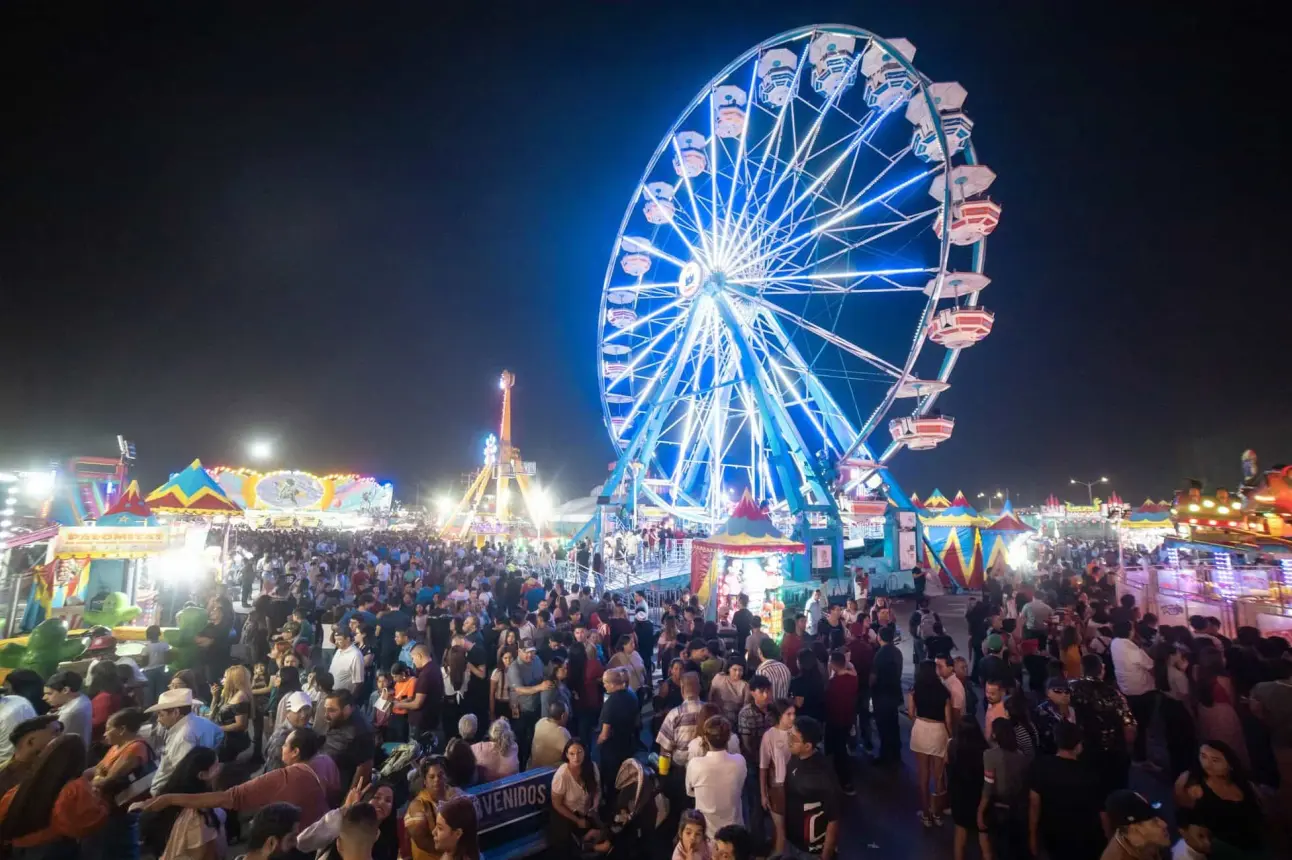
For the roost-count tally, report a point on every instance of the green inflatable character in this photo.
(184, 650)
(46, 647)
(115, 612)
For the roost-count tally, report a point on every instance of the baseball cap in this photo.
(530, 648)
(994, 642)
(298, 701)
(1057, 684)
(1129, 807)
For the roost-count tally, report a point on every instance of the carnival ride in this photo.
(815, 217)
(502, 465)
(293, 498)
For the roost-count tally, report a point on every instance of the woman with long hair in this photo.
(321, 836)
(1171, 672)
(1003, 806)
(557, 672)
(128, 757)
(231, 705)
(1070, 652)
(455, 830)
(456, 678)
(106, 696)
(197, 834)
(497, 755)
(1215, 699)
(576, 793)
(499, 688)
(509, 641)
(419, 818)
(42, 817)
(964, 784)
(1020, 717)
(929, 704)
(460, 763)
(1222, 797)
(773, 762)
(286, 682)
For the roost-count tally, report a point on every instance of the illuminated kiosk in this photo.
(1004, 541)
(953, 539)
(1231, 555)
(288, 498)
(502, 465)
(191, 500)
(745, 556)
(737, 347)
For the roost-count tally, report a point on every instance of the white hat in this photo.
(169, 699)
(298, 701)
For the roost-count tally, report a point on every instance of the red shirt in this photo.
(861, 652)
(297, 784)
(841, 700)
(592, 672)
(791, 645)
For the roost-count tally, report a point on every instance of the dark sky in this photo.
(337, 227)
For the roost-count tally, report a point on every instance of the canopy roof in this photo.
(128, 510)
(1008, 522)
(749, 531)
(192, 491)
(936, 501)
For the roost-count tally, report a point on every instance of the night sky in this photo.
(335, 228)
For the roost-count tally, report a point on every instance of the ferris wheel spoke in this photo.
(693, 200)
(830, 337)
(672, 221)
(772, 140)
(751, 99)
(649, 349)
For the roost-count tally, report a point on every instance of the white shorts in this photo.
(930, 738)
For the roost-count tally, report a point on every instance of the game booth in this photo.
(746, 556)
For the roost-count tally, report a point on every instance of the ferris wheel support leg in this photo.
(789, 455)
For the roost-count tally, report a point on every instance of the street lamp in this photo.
(260, 449)
(998, 495)
(1090, 486)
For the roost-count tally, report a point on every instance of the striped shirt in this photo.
(779, 674)
(680, 726)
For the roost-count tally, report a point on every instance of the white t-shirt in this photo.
(13, 710)
(716, 781)
(576, 798)
(774, 753)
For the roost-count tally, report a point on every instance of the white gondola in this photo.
(621, 317)
(959, 328)
(729, 103)
(614, 369)
(921, 387)
(967, 180)
(621, 297)
(957, 284)
(635, 264)
(689, 159)
(612, 397)
(921, 434)
(948, 98)
(776, 76)
(887, 81)
(659, 207)
(618, 425)
(834, 63)
(614, 350)
(971, 220)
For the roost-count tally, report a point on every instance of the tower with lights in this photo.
(501, 465)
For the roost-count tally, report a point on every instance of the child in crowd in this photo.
(1195, 837)
(692, 843)
(419, 622)
(157, 649)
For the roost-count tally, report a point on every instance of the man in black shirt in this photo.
(350, 740)
(1065, 802)
(830, 629)
(743, 621)
(811, 794)
(886, 696)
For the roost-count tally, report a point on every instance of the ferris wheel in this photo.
(801, 260)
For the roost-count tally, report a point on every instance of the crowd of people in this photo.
(362, 687)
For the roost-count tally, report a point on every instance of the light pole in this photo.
(998, 495)
(1090, 486)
